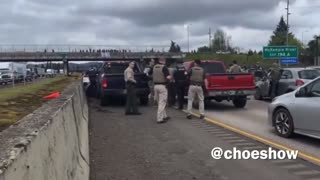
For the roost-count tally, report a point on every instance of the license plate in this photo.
(231, 92)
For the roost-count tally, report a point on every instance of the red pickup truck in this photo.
(225, 86)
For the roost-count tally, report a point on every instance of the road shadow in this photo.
(302, 139)
(223, 106)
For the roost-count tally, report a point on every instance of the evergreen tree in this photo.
(279, 37)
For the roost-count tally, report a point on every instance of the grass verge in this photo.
(15, 103)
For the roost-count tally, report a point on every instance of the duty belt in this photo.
(160, 83)
(196, 84)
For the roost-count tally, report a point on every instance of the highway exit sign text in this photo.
(278, 52)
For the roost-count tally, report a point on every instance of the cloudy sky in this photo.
(151, 22)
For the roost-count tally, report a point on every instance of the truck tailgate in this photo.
(230, 81)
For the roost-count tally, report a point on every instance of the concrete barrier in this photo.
(49, 144)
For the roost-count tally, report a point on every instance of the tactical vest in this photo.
(180, 73)
(235, 69)
(197, 74)
(158, 76)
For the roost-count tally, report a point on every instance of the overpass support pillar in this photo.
(66, 67)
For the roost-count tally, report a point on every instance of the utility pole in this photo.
(316, 53)
(288, 13)
(210, 38)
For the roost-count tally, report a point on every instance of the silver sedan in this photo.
(297, 112)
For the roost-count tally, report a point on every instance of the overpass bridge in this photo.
(66, 53)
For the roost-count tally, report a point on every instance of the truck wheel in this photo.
(240, 102)
(207, 103)
(144, 100)
(103, 101)
(258, 95)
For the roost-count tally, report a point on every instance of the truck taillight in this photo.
(299, 82)
(208, 83)
(104, 83)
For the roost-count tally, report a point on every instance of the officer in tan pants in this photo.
(161, 77)
(197, 80)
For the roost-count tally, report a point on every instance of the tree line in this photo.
(222, 42)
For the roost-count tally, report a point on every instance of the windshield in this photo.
(117, 68)
(213, 67)
(309, 74)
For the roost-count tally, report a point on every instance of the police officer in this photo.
(92, 73)
(131, 106)
(275, 74)
(235, 68)
(180, 78)
(161, 77)
(197, 80)
(147, 71)
(171, 85)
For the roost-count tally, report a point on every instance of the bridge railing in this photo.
(58, 56)
(82, 48)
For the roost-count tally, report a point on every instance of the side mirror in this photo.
(284, 77)
(302, 92)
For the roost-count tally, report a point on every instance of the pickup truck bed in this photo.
(226, 86)
(230, 85)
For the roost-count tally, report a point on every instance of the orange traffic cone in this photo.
(52, 96)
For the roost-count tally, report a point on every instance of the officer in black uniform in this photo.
(92, 73)
(180, 77)
(92, 88)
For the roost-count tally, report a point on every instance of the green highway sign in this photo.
(278, 52)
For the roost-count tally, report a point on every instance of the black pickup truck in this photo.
(110, 82)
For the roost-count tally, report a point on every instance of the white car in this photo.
(297, 112)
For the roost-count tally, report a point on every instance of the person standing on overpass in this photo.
(197, 80)
(131, 106)
(161, 77)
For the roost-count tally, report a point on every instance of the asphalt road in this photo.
(253, 119)
(136, 148)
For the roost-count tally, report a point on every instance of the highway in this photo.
(136, 147)
(253, 119)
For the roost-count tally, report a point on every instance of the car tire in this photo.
(240, 102)
(144, 100)
(257, 95)
(98, 93)
(283, 123)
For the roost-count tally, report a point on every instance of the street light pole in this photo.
(302, 38)
(188, 33)
(188, 39)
